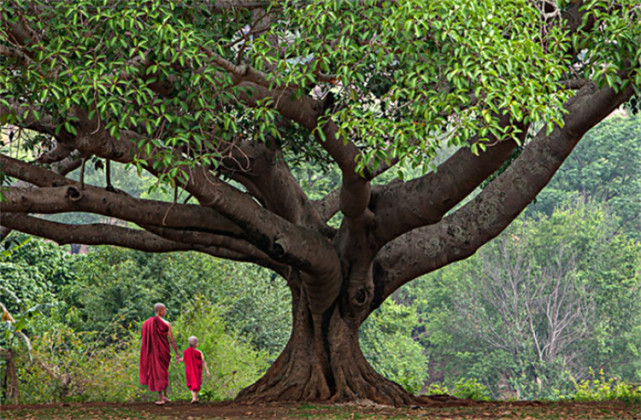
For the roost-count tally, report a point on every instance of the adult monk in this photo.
(155, 355)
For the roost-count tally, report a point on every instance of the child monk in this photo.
(194, 362)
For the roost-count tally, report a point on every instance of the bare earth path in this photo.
(460, 409)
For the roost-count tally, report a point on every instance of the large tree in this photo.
(220, 99)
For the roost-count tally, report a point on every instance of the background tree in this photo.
(216, 99)
(114, 288)
(605, 168)
(387, 342)
(549, 299)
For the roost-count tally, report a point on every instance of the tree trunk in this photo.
(11, 377)
(323, 361)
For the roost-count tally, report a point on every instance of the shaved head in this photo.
(158, 307)
(192, 341)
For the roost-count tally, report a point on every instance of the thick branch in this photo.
(355, 190)
(32, 174)
(66, 165)
(239, 246)
(66, 195)
(70, 198)
(96, 200)
(58, 153)
(328, 206)
(459, 235)
(421, 202)
(101, 234)
(281, 240)
(261, 168)
(20, 170)
(404, 206)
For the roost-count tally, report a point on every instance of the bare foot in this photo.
(166, 399)
(161, 402)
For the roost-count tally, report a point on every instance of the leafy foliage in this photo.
(463, 388)
(75, 366)
(233, 362)
(602, 389)
(402, 68)
(551, 295)
(114, 289)
(398, 69)
(116, 286)
(386, 341)
(34, 272)
(605, 167)
(606, 49)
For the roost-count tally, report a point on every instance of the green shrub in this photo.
(602, 389)
(471, 389)
(436, 388)
(468, 389)
(387, 343)
(74, 366)
(232, 360)
(70, 366)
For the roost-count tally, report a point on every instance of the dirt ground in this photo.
(460, 409)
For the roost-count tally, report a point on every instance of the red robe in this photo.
(154, 354)
(193, 368)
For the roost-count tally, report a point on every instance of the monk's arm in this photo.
(173, 343)
(205, 364)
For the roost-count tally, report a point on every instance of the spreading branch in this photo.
(72, 198)
(460, 234)
(281, 240)
(401, 207)
(103, 234)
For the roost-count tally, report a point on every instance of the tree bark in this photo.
(323, 361)
(11, 392)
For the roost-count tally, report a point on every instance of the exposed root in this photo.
(297, 381)
(323, 362)
(356, 379)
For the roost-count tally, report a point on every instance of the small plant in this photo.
(471, 389)
(437, 389)
(467, 389)
(602, 389)
(12, 244)
(208, 395)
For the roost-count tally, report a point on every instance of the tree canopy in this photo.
(220, 99)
